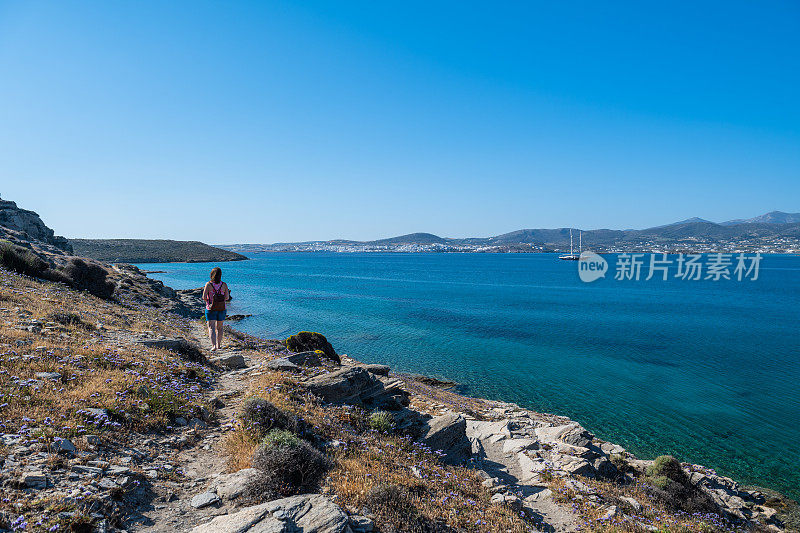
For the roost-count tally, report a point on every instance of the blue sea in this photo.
(706, 370)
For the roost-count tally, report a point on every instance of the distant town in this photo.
(774, 232)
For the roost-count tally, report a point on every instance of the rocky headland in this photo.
(116, 416)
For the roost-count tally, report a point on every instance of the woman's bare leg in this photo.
(220, 325)
(212, 334)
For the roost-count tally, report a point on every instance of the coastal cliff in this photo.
(116, 415)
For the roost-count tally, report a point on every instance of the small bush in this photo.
(287, 466)
(669, 483)
(81, 275)
(260, 416)
(281, 437)
(21, 260)
(393, 506)
(70, 319)
(381, 421)
(667, 466)
(309, 341)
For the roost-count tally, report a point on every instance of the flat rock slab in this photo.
(283, 364)
(298, 514)
(231, 486)
(233, 361)
(204, 500)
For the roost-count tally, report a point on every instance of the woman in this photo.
(215, 294)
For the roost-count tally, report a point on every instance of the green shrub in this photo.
(668, 482)
(70, 319)
(286, 466)
(310, 341)
(84, 276)
(395, 511)
(381, 421)
(21, 260)
(260, 417)
(667, 466)
(280, 437)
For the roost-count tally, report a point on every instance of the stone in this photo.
(572, 434)
(635, 505)
(573, 465)
(64, 446)
(93, 440)
(35, 479)
(355, 386)
(610, 512)
(380, 370)
(296, 514)
(180, 421)
(232, 361)
(304, 359)
(204, 499)
(282, 364)
(512, 446)
(83, 469)
(447, 433)
(55, 376)
(491, 482)
(530, 467)
(231, 486)
(308, 341)
(197, 423)
(361, 524)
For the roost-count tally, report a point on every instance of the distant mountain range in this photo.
(774, 231)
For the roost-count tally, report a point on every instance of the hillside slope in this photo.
(151, 251)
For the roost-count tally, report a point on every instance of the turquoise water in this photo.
(708, 371)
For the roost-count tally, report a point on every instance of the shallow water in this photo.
(708, 371)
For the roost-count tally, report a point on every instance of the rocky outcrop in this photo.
(355, 385)
(309, 341)
(134, 287)
(298, 514)
(21, 226)
(447, 435)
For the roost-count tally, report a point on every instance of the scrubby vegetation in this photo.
(260, 418)
(76, 272)
(669, 483)
(151, 251)
(21, 260)
(381, 421)
(287, 465)
(310, 341)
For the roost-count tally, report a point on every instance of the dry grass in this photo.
(88, 343)
(652, 515)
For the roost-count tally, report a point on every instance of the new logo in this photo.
(591, 267)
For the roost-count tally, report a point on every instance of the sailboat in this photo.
(573, 256)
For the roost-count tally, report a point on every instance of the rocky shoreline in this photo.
(118, 417)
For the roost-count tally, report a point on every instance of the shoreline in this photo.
(453, 388)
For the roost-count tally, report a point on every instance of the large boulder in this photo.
(448, 434)
(355, 385)
(573, 434)
(309, 341)
(297, 514)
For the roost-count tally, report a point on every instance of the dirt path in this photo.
(202, 461)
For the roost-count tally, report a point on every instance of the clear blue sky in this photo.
(281, 121)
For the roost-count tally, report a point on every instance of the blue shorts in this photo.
(216, 315)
